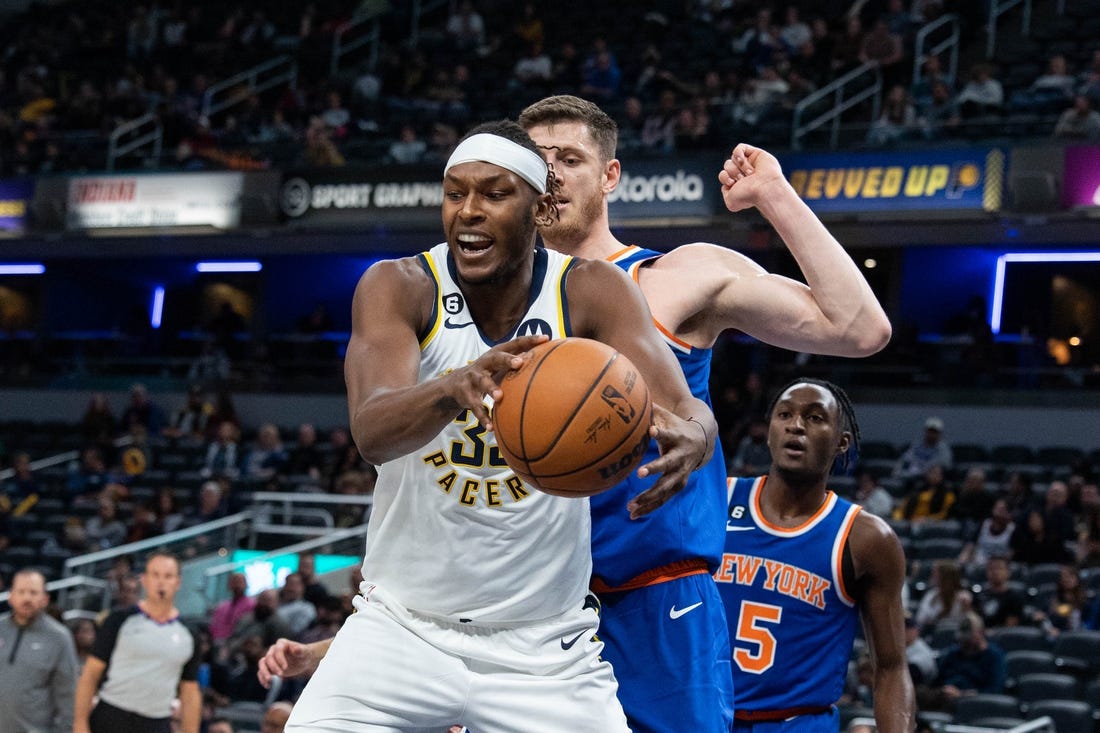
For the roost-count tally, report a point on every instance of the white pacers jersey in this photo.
(454, 532)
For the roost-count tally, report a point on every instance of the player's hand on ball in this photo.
(285, 658)
(683, 447)
(483, 376)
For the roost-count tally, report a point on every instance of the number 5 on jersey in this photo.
(751, 629)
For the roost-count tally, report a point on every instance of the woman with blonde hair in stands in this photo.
(946, 598)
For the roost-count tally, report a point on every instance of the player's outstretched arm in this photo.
(880, 570)
(391, 414)
(836, 314)
(605, 305)
(286, 658)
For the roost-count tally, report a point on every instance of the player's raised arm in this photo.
(834, 312)
(614, 311)
(390, 413)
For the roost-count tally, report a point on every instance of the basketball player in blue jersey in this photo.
(801, 568)
(475, 608)
(662, 622)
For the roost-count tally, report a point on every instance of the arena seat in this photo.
(969, 710)
(1068, 715)
(1012, 638)
(1037, 686)
(1078, 651)
(998, 723)
(1027, 661)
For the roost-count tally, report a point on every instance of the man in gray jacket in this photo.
(38, 664)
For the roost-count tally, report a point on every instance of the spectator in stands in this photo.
(568, 68)
(761, 43)
(974, 503)
(932, 450)
(211, 366)
(235, 678)
(1018, 495)
(226, 615)
(267, 456)
(659, 127)
(982, 94)
(320, 151)
(223, 454)
(898, 120)
(211, 505)
(1079, 122)
(533, 73)
(974, 664)
(305, 457)
(1089, 79)
(331, 615)
(263, 621)
(465, 28)
(884, 47)
(945, 599)
(219, 725)
(753, 457)
(1059, 519)
(408, 148)
(759, 95)
(275, 717)
(993, 538)
(871, 496)
(847, 46)
(930, 499)
(295, 611)
(1033, 544)
(794, 32)
(39, 668)
(224, 412)
(1063, 613)
(143, 523)
(354, 483)
(441, 143)
(168, 517)
(125, 595)
(105, 530)
(307, 570)
(20, 492)
(601, 79)
(84, 631)
(998, 603)
(188, 423)
(142, 411)
(1090, 617)
(1088, 540)
(918, 654)
(1056, 86)
(98, 423)
(88, 477)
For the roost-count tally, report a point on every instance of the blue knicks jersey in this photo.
(690, 525)
(792, 622)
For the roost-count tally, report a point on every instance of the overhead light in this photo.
(252, 266)
(870, 263)
(29, 268)
(156, 310)
(1074, 340)
(999, 275)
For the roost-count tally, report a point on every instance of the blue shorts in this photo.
(669, 646)
(819, 723)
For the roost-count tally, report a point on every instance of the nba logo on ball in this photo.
(574, 419)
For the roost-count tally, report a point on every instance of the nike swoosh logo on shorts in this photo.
(567, 645)
(731, 528)
(678, 612)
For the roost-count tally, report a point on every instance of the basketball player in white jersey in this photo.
(475, 606)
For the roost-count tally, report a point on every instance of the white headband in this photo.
(487, 148)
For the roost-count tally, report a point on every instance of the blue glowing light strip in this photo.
(30, 268)
(229, 266)
(999, 275)
(157, 309)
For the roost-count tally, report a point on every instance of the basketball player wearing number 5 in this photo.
(475, 607)
(662, 622)
(801, 568)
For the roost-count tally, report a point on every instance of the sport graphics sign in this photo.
(394, 195)
(965, 179)
(154, 200)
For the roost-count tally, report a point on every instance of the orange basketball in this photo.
(574, 420)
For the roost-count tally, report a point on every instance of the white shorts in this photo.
(391, 670)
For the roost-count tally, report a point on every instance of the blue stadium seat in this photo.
(1037, 686)
(969, 710)
(1071, 716)
(1012, 638)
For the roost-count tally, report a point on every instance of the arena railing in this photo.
(260, 78)
(847, 91)
(289, 513)
(997, 8)
(77, 595)
(139, 133)
(950, 43)
(347, 541)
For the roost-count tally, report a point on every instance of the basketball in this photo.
(574, 419)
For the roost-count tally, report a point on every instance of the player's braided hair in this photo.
(510, 130)
(848, 421)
